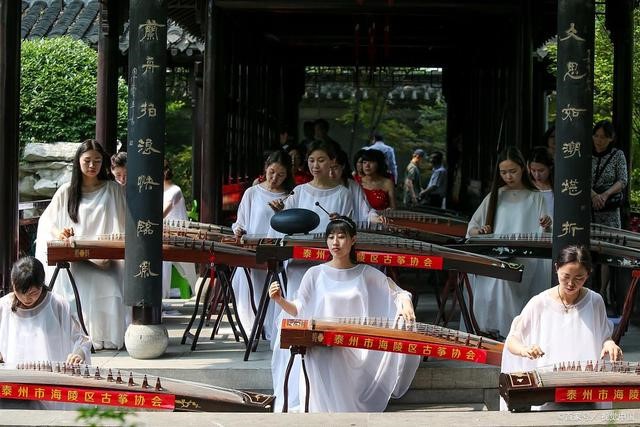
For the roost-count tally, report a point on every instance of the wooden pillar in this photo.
(107, 90)
(147, 74)
(620, 24)
(10, 39)
(574, 119)
(196, 119)
(213, 132)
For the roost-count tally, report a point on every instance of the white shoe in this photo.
(98, 345)
(108, 345)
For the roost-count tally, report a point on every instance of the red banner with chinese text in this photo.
(376, 258)
(87, 396)
(442, 351)
(597, 394)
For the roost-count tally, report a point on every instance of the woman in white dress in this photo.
(36, 325)
(89, 206)
(541, 172)
(567, 323)
(341, 172)
(344, 379)
(332, 197)
(254, 216)
(174, 208)
(519, 208)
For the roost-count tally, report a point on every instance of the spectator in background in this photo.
(321, 130)
(308, 129)
(377, 143)
(549, 140)
(412, 185)
(436, 191)
(285, 141)
(119, 167)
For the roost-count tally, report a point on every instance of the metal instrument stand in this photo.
(67, 266)
(275, 270)
(301, 351)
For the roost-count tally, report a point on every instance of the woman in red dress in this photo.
(301, 174)
(378, 189)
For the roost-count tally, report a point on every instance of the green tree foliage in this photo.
(58, 91)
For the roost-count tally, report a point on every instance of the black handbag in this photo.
(614, 201)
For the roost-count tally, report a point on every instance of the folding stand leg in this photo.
(283, 279)
(301, 351)
(230, 298)
(65, 265)
(187, 332)
(467, 314)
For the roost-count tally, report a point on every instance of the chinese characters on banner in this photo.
(373, 258)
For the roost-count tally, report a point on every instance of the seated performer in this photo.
(254, 216)
(89, 206)
(37, 325)
(514, 206)
(567, 323)
(343, 379)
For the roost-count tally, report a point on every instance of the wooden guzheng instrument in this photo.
(538, 245)
(175, 248)
(391, 251)
(572, 382)
(427, 222)
(81, 384)
(407, 232)
(420, 339)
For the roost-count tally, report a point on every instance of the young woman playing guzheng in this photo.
(330, 195)
(519, 208)
(342, 379)
(36, 325)
(89, 206)
(567, 323)
(254, 215)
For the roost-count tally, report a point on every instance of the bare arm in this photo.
(275, 293)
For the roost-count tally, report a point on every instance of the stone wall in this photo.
(44, 168)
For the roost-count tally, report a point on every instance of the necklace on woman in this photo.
(570, 306)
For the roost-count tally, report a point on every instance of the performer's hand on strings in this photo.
(532, 352)
(612, 349)
(66, 233)
(405, 311)
(485, 229)
(545, 221)
(239, 232)
(275, 293)
(74, 358)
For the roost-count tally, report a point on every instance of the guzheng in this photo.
(416, 338)
(427, 222)
(538, 245)
(572, 382)
(384, 250)
(175, 248)
(407, 232)
(80, 384)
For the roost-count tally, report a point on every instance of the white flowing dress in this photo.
(254, 217)
(48, 332)
(496, 302)
(100, 212)
(344, 379)
(173, 196)
(577, 334)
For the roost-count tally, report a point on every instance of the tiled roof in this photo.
(79, 19)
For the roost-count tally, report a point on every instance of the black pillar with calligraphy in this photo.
(10, 13)
(146, 127)
(574, 120)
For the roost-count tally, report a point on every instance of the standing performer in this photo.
(254, 216)
(89, 206)
(567, 323)
(344, 379)
(174, 207)
(514, 206)
(36, 325)
(379, 190)
(342, 174)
